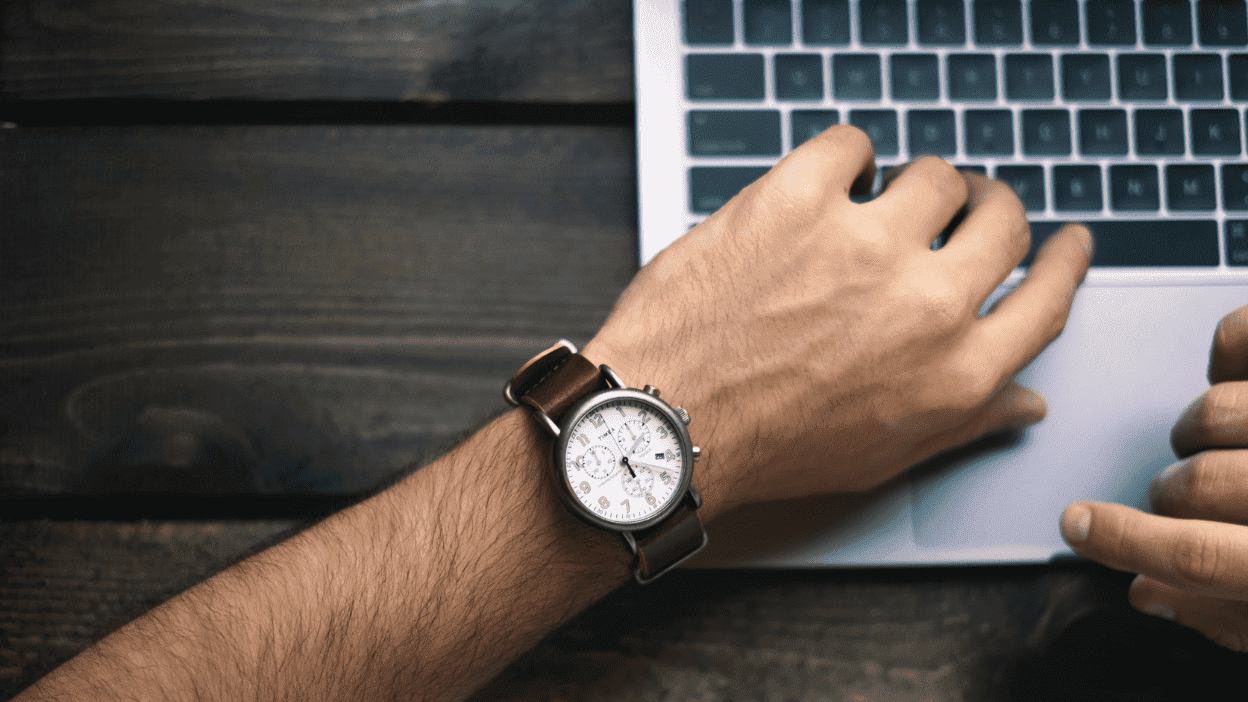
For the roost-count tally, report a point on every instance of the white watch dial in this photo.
(624, 460)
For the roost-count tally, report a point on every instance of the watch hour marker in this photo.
(583, 439)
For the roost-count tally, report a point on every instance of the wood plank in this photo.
(1023, 633)
(554, 51)
(287, 310)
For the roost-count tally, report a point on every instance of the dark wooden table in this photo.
(258, 258)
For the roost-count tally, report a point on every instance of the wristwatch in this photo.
(623, 459)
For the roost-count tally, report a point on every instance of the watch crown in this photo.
(651, 390)
(697, 453)
(684, 416)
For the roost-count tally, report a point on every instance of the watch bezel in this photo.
(560, 450)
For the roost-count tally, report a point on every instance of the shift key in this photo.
(734, 133)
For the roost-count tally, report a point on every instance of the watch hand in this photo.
(639, 464)
(629, 467)
(633, 448)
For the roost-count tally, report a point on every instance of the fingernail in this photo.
(1160, 609)
(1076, 522)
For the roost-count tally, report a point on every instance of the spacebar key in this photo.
(1169, 242)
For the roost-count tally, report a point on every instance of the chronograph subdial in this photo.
(637, 486)
(633, 436)
(599, 461)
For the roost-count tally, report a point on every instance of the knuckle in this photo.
(1219, 408)
(943, 176)
(1197, 560)
(939, 299)
(1197, 480)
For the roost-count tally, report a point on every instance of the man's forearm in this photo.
(424, 592)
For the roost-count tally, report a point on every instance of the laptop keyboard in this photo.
(1125, 115)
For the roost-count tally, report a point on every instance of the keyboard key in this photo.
(1190, 187)
(1197, 77)
(1027, 182)
(856, 76)
(724, 76)
(931, 132)
(710, 187)
(1046, 132)
(883, 22)
(1085, 77)
(708, 21)
(1134, 189)
(1077, 188)
(989, 132)
(1215, 132)
(1055, 23)
(1103, 132)
(734, 133)
(1238, 65)
(1222, 23)
(914, 77)
(807, 124)
(1235, 186)
(1165, 242)
(1029, 77)
(768, 22)
(1111, 22)
(972, 76)
(1142, 77)
(1237, 242)
(825, 22)
(881, 126)
(998, 23)
(1159, 132)
(1167, 22)
(799, 77)
(941, 22)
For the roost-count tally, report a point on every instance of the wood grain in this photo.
(287, 310)
(556, 51)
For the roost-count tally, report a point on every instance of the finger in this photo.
(922, 198)
(1034, 314)
(1014, 407)
(1210, 485)
(1225, 622)
(1207, 558)
(839, 158)
(1228, 360)
(1216, 419)
(993, 238)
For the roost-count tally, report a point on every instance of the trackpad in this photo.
(1131, 358)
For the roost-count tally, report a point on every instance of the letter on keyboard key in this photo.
(724, 76)
(1027, 182)
(1029, 77)
(998, 23)
(1055, 23)
(1142, 77)
(1222, 23)
(989, 133)
(941, 22)
(1235, 186)
(1167, 22)
(1159, 132)
(1085, 77)
(972, 76)
(1190, 187)
(825, 22)
(1103, 132)
(799, 77)
(1111, 22)
(734, 133)
(708, 21)
(1046, 132)
(768, 22)
(807, 124)
(1077, 188)
(931, 132)
(856, 76)
(914, 77)
(1198, 76)
(1215, 132)
(712, 186)
(883, 22)
(1134, 189)
(880, 126)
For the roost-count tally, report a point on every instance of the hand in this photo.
(821, 345)
(1192, 555)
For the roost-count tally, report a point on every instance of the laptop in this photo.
(1123, 114)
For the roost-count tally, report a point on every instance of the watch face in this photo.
(624, 458)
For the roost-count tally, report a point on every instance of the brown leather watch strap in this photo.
(664, 546)
(572, 380)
